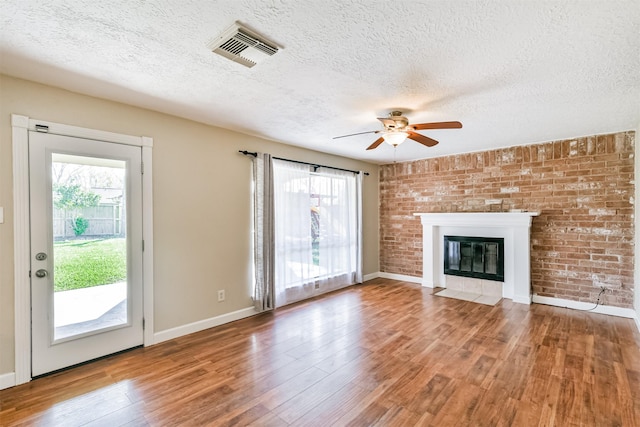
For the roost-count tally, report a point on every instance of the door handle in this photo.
(41, 273)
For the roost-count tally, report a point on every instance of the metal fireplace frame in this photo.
(475, 244)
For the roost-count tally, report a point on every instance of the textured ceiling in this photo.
(513, 72)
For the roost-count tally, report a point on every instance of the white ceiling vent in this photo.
(243, 46)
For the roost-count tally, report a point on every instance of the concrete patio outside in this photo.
(83, 310)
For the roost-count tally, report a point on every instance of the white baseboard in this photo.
(201, 325)
(371, 276)
(401, 277)
(523, 300)
(7, 380)
(602, 309)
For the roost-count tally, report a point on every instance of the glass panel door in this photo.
(86, 249)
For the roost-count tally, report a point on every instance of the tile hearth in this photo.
(481, 291)
(468, 296)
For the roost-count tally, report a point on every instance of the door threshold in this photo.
(57, 371)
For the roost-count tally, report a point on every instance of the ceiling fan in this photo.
(397, 129)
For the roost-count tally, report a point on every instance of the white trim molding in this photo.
(21, 125)
(7, 380)
(587, 306)
(147, 237)
(401, 277)
(21, 248)
(371, 276)
(201, 325)
(98, 135)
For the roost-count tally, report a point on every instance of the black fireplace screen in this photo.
(479, 257)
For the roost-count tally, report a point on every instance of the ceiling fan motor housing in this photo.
(400, 121)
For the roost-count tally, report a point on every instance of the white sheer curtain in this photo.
(338, 251)
(318, 235)
(292, 228)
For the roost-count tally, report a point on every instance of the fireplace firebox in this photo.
(478, 257)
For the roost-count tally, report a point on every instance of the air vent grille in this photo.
(243, 46)
(269, 50)
(233, 46)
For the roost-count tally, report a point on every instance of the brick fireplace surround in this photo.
(583, 189)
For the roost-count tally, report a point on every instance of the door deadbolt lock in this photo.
(41, 256)
(41, 273)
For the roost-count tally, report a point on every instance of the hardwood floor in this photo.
(384, 353)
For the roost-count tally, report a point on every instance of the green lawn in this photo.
(86, 263)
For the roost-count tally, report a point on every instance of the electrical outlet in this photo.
(221, 295)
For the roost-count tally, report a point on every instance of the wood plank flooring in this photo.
(385, 353)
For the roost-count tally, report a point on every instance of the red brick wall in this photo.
(583, 188)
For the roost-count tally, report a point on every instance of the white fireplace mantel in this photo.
(513, 227)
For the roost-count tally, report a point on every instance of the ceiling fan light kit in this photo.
(397, 130)
(395, 138)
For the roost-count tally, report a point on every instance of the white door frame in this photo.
(21, 125)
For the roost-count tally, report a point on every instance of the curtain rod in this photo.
(315, 165)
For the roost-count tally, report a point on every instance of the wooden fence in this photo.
(104, 221)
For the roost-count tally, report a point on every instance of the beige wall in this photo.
(201, 202)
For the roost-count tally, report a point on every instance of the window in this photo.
(316, 229)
